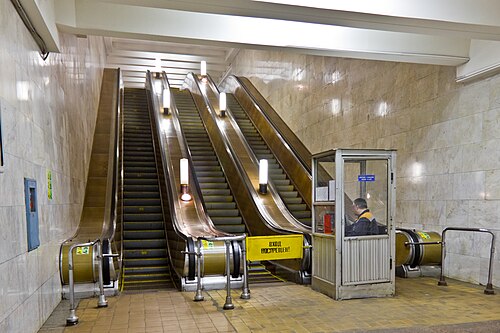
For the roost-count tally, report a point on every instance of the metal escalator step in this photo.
(306, 220)
(220, 205)
(140, 175)
(143, 234)
(140, 194)
(144, 244)
(144, 270)
(221, 185)
(143, 225)
(145, 279)
(209, 173)
(222, 212)
(211, 180)
(217, 198)
(301, 214)
(144, 262)
(284, 188)
(131, 169)
(281, 182)
(142, 202)
(220, 220)
(144, 253)
(140, 181)
(216, 191)
(142, 209)
(295, 200)
(142, 217)
(196, 164)
(289, 194)
(297, 207)
(141, 188)
(232, 228)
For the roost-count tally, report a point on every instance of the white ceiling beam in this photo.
(181, 65)
(466, 18)
(113, 19)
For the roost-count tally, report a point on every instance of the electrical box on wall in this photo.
(31, 200)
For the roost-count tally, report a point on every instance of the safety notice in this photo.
(274, 247)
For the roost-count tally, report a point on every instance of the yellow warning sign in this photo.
(274, 247)
(82, 250)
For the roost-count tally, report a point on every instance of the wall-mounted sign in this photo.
(366, 178)
(49, 184)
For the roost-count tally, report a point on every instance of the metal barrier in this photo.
(245, 294)
(489, 286)
(73, 318)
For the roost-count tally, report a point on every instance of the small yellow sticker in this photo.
(424, 235)
(207, 244)
(82, 250)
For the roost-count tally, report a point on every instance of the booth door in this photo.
(366, 258)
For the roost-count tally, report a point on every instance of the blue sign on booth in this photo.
(366, 178)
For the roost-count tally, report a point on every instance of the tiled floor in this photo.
(419, 306)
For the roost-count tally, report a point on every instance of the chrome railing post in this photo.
(73, 318)
(245, 293)
(229, 301)
(101, 303)
(199, 294)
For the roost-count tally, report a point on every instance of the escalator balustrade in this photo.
(219, 202)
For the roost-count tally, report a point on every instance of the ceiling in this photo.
(135, 57)
(177, 35)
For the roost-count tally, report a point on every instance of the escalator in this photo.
(217, 196)
(145, 259)
(285, 187)
(264, 213)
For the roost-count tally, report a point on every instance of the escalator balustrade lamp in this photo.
(166, 101)
(184, 175)
(263, 176)
(222, 104)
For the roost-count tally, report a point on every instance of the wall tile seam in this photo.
(19, 305)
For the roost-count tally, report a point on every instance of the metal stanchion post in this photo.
(489, 286)
(73, 318)
(101, 303)
(229, 302)
(199, 295)
(245, 293)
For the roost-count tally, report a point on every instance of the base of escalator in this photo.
(261, 272)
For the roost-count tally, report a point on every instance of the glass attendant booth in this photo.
(354, 258)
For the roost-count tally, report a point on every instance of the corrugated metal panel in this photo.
(324, 258)
(365, 260)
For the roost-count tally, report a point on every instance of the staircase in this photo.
(216, 193)
(278, 177)
(145, 260)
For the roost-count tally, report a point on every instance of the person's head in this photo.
(359, 205)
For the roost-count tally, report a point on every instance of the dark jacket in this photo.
(364, 225)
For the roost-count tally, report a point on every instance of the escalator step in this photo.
(144, 262)
(143, 225)
(226, 220)
(143, 234)
(145, 244)
(142, 217)
(144, 253)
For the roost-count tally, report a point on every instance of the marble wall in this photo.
(48, 112)
(447, 136)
